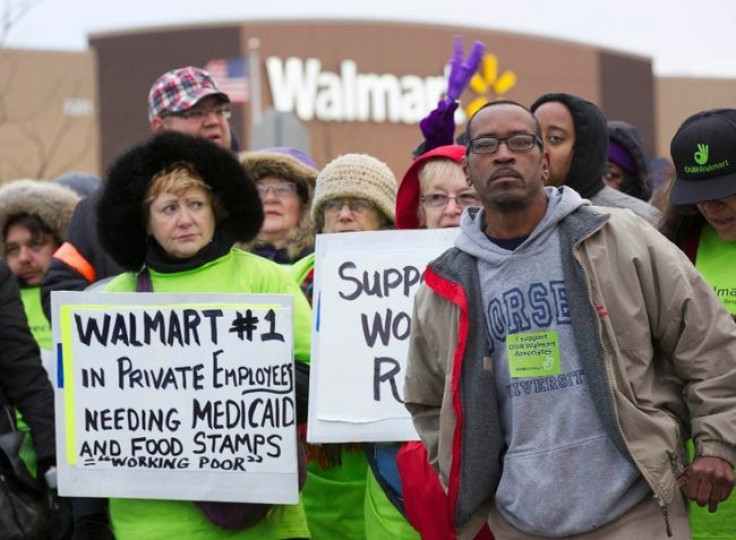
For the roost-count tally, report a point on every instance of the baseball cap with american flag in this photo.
(180, 89)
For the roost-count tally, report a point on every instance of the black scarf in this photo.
(279, 255)
(160, 261)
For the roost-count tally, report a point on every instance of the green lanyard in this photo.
(716, 260)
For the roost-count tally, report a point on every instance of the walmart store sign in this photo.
(304, 88)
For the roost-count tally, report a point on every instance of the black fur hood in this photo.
(121, 223)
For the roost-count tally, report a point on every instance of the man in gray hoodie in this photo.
(546, 369)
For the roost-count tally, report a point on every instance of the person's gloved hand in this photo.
(438, 127)
(461, 72)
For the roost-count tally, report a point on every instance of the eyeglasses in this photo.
(357, 206)
(197, 115)
(280, 189)
(519, 142)
(440, 200)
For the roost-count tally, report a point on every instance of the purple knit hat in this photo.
(619, 155)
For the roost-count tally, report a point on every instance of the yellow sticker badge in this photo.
(533, 354)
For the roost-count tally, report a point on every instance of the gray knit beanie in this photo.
(358, 176)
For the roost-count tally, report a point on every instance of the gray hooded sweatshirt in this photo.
(562, 475)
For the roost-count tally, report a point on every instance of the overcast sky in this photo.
(683, 37)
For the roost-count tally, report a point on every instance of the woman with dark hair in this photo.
(702, 216)
(171, 211)
(23, 382)
(34, 216)
(702, 221)
(33, 219)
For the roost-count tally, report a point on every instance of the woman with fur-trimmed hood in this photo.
(170, 213)
(34, 216)
(285, 179)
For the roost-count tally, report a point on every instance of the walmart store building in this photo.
(363, 86)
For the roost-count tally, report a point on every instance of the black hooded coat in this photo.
(590, 156)
(626, 135)
(590, 151)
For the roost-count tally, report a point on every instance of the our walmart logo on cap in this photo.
(488, 84)
(701, 155)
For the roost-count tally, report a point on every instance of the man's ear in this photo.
(157, 125)
(466, 170)
(545, 167)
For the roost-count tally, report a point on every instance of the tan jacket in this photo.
(664, 349)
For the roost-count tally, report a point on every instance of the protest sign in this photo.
(187, 396)
(363, 294)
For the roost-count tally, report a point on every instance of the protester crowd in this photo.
(633, 437)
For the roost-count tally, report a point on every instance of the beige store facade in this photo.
(361, 86)
(48, 117)
(353, 86)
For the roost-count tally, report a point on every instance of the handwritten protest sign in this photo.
(187, 397)
(363, 294)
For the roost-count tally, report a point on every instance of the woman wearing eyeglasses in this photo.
(354, 192)
(285, 180)
(434, 191)
(169, 214)
(433, 194)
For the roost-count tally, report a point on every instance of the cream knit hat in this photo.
(358, 176)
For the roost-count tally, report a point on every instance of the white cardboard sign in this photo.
(362, 302)
(175, 396)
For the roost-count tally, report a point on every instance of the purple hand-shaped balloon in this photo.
(438, 127)
(461, 72)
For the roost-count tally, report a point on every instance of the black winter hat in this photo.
(626, 136)
(121, 224)
(590, 152)
(704, 153)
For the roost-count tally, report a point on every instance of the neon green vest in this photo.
(334, 497)
(237, 271)
(301, 268)
(716, 260)
(41, 330)
(382, 519)
(37, 321)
